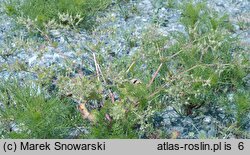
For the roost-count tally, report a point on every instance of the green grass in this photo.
(242, 100)
(43, 11)
(36, 114)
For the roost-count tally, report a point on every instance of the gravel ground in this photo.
(112, 32)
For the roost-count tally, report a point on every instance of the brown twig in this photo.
(154, 76)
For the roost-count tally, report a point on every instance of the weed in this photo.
(171, 4)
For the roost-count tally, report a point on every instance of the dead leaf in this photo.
(85, 113)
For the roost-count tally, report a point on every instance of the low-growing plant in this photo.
(28, 112)
(194, 69)
(122, 95)
(242, 100)
(184, 71)
(124, 116)
(43, 11)
(171, 4)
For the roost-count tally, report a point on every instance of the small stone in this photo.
(169, 108)
(166, 122)
(62, 40)
(1, 106)
(236, 27)
(75, 133)
(14, 127)
(221, 110)
(172, 115)
(207, 120)
(32, 60)
(116, 96)
(157, 120)
(203, 110)
(230, 136)
(222, 116)
(55, 33)
(230, 97)
(212, 132)
(71, 55)
(247, 78)
(187, 121)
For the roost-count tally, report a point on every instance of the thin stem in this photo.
(154, 76)
(181, 73)
(132, 64)
(96, 67)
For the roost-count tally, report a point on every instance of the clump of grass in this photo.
(171, 3)
(200, 18)
(35, 114)
(43, 11)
